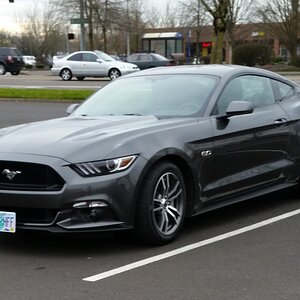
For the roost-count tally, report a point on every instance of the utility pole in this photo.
(82, 33)
(198, 33)
(127, 34)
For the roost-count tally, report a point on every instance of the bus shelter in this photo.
(165, 43)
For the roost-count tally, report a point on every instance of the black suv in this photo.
(10, 61)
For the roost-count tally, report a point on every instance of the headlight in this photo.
(104, 167)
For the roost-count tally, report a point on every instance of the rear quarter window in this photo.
(285, 90)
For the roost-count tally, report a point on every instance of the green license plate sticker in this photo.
(7, 221)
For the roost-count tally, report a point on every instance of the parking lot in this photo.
(245, 251)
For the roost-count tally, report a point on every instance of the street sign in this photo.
(79, 21)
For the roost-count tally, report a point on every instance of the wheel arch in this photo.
(187, 172)
(4, 67)
(63, 68)
(114, 68)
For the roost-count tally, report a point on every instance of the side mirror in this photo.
(99, 60)
(236, 108)
(71, 108)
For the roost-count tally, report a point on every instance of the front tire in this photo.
(162, 205)
(2, 69)
(15, 73)
(80, 78)
(66, 74)
(114, 73)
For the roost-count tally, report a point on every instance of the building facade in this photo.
(189, 41)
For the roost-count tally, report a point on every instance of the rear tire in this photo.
(2, 69)
(15, 73)
(162, 205)
(66, 74)
(80, 78)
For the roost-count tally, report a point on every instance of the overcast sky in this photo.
(11, 13)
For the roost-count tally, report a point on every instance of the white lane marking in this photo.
(190, 247)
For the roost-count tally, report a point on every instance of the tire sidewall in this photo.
(145, 219)
(2, 66)
(114, 70)
(70, 74)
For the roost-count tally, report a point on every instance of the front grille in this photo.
(28, 177)
(32, 215)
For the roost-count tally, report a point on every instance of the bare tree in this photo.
(193, 15)
(281, 18)
(171, 16)
(42, 30)
(5, 38)
(218, 9)
(238, 11)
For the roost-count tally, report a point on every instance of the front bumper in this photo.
(101, 203)
(129, 71)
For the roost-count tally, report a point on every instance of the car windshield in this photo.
(14, 52)
(104, 56)
(158, 95)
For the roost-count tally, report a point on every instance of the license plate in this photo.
(7, 221)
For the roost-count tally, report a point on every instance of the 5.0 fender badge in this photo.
(10, 174)
(206, 153)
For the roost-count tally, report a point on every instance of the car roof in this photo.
(219, 70)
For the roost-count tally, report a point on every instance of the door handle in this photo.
(281, 121)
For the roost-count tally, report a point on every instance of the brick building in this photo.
(184, 40)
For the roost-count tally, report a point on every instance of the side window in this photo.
(133, 57)
(75, 57)
(285, 90)
(89, 57)
(258, 90)
(145, 57)
(232, 92)
(255, 89)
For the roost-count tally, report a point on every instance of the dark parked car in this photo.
(11, 60)
(150, 149)
(149, 60)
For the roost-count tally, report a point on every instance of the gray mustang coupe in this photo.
(150, 149)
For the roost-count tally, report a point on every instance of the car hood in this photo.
(76, 139)
(120, 65)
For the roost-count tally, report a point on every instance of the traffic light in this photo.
(71, 36)
(11, 1)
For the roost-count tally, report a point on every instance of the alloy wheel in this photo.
(168, 204)
(114, 74)
(66, 74)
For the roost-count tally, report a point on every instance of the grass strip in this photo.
(47, 94)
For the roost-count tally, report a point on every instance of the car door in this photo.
(90, 65)
(250, 150)
(145, 61)
(74, 62)
(289, 99)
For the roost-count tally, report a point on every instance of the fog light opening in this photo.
(96, 214)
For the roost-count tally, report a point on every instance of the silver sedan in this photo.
(96, 63)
